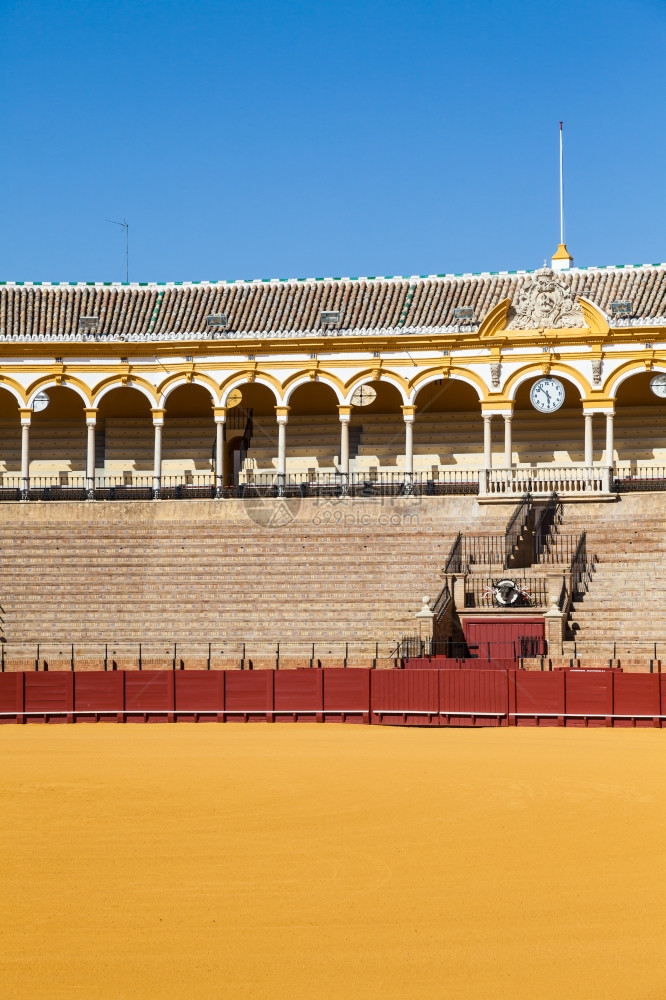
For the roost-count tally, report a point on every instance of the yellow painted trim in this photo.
(54, 381)
(496, 320)
(247, 376)
(369, 375)
(555, 368)
(593, 316)
(304, 375)
(449, 371)
(116, 382)
(187, 378)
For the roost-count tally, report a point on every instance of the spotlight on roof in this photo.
(465, 313)
(330, 317)
(217, 320)
(88, 323)
(622, 308)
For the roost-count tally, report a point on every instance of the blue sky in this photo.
(281, 139)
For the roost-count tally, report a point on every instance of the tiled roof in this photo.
(279, 308)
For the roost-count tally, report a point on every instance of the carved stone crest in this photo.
(546, 301)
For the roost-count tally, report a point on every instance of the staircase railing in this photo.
(515, 527)
(549, 517)
(454, 563)
(442, 602)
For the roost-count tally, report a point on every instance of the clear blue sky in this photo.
(351, 137)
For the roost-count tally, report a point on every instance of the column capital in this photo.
(408, 413)
(344, 412)
(158, 415)
(282, 414)
(91, 415)
(220, 414)
(25, 413)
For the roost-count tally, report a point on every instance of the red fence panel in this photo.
(346, 695)
(589, 697)
(473, 698)
(636, 695)
(11, 697)
(248, 695)
(298, 694)
(50, 694)
(537, 698)
(405, 697)
(149, 695)
(98, 695)
(199, 695)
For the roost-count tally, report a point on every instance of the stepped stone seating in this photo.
(164, 572)
(625, 601)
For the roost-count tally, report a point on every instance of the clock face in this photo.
(547, 395)
(658, 385)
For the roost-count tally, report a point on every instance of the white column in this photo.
(91, 420)
(282, 415)
(588, 439)
(408, 416)
(487, 441)
(158, 423)
(26, 416)
(609, 440)
(220, 421)
(345, 415)
(508, 444)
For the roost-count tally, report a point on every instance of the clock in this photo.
(658, 385)
(547, 395)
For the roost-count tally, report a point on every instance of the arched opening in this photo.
(448, 431)
(10, 438)
(58, 439)
(377, 432)
(188, 438)
(313, 431)
(639, 425)
(251, 436)
(124, 437)
(556, 438)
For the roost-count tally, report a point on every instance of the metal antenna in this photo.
(124, 225)
(561, 187)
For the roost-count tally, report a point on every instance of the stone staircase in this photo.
(623, 612)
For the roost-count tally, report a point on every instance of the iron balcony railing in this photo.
(510, 592)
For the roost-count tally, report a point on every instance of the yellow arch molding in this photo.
(369, 375)
(452, 372)
(556, 368)
(188, 378)
(246, 377)
(496, 320)
(593, 316)
(625, 371)
(120, 382)
(319, 375)
(55, 381)
(19, 392)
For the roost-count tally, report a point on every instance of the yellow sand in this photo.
(331, 861)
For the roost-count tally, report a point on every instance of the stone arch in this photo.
(541, 439)
(448, 430)
(639, 430)
(534, 371)
(259, 398)
(627, 371)
(313, 430)
(249, 378)
(188, 437)
(102, 389)
(10, 435)
(304, 378)
(67, 382)
(177, 381)
(58, 437)
(16, 390)
(370, 375)
(125, 434)
(452, 374)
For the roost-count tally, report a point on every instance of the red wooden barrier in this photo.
(405, 698)
(346, 695)
(473, 698)
(392, 697)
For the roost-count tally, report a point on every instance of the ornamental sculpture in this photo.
(545, 301)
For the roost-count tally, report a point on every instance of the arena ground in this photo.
(331, 861)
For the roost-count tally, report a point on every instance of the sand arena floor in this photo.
(331, 862)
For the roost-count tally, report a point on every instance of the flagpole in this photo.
(561, 189)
